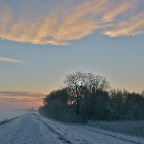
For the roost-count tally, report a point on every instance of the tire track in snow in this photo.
(28, 129)
(84, 134)
(61, 137)
(10, 130)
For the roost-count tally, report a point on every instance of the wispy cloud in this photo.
(133, 26)
(119, 9)
(21, 95)
(70, 20)
(19, 99)
(6, 59)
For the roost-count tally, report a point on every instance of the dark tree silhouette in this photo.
(78, 81)
(86, 97)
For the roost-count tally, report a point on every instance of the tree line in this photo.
(87, 96)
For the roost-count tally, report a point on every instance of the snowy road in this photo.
(27, 130)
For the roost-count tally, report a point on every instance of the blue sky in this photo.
(43, 41)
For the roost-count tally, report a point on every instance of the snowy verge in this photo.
(83, 134)
(7, 120)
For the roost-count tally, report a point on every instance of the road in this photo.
(27, 130)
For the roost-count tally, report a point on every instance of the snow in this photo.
(128, 127)
(29, 129)
(10, 114)
(80, 134)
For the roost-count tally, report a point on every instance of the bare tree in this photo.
(95, 82)
(78, 81)
(74, 82)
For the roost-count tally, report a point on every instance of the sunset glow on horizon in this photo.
(43, 41)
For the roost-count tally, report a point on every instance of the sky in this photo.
(41, 41)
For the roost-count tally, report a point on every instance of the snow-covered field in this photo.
(133, 128)
(10, 114)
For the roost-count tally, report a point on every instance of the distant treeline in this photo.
(87, 96)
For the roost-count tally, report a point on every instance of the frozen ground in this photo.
(81, 134)
(28, 129)
(133, 128)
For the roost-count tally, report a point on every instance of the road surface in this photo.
(27, 130)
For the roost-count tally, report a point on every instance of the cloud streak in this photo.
(72, 20)
(21, 94)
(21, 99)
(134, 26)
(6, 59)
